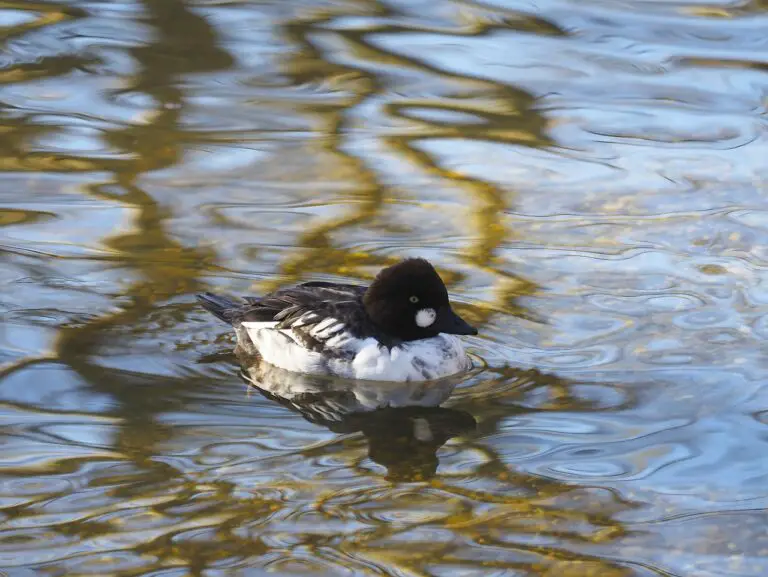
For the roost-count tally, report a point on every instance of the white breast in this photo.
(421, 360)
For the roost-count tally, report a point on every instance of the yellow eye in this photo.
(414, 299)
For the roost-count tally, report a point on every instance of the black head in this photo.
(409, 301)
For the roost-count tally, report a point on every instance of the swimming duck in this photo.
(401, 328)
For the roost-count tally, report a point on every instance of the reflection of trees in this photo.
(209, 519)
(516, 122)
(306, 64)
(16, 128)
(184, 44)
(229, 523)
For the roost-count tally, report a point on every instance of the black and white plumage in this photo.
(400, 328)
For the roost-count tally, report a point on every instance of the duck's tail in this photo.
(222, 308)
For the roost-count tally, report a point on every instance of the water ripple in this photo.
(589, 178)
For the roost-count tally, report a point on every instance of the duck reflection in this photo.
(403, 422)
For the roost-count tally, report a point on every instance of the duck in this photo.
(401, 328)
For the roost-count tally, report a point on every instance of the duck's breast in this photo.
(421, 360)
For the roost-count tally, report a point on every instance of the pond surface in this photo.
(589, 177)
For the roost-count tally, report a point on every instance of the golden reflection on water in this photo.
(588, 178)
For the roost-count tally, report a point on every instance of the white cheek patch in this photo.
(422, 431)
(425, 317)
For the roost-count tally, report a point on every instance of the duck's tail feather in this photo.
(222, 308)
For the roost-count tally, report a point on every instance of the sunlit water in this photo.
(588, 176)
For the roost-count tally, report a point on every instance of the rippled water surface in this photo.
(589, 177)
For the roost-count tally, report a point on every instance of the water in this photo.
(589, 178)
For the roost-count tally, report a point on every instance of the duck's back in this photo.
(309, 328)
(321, 328)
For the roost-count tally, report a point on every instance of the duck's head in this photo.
(409, 301)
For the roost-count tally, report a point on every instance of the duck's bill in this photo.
(449, 322)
